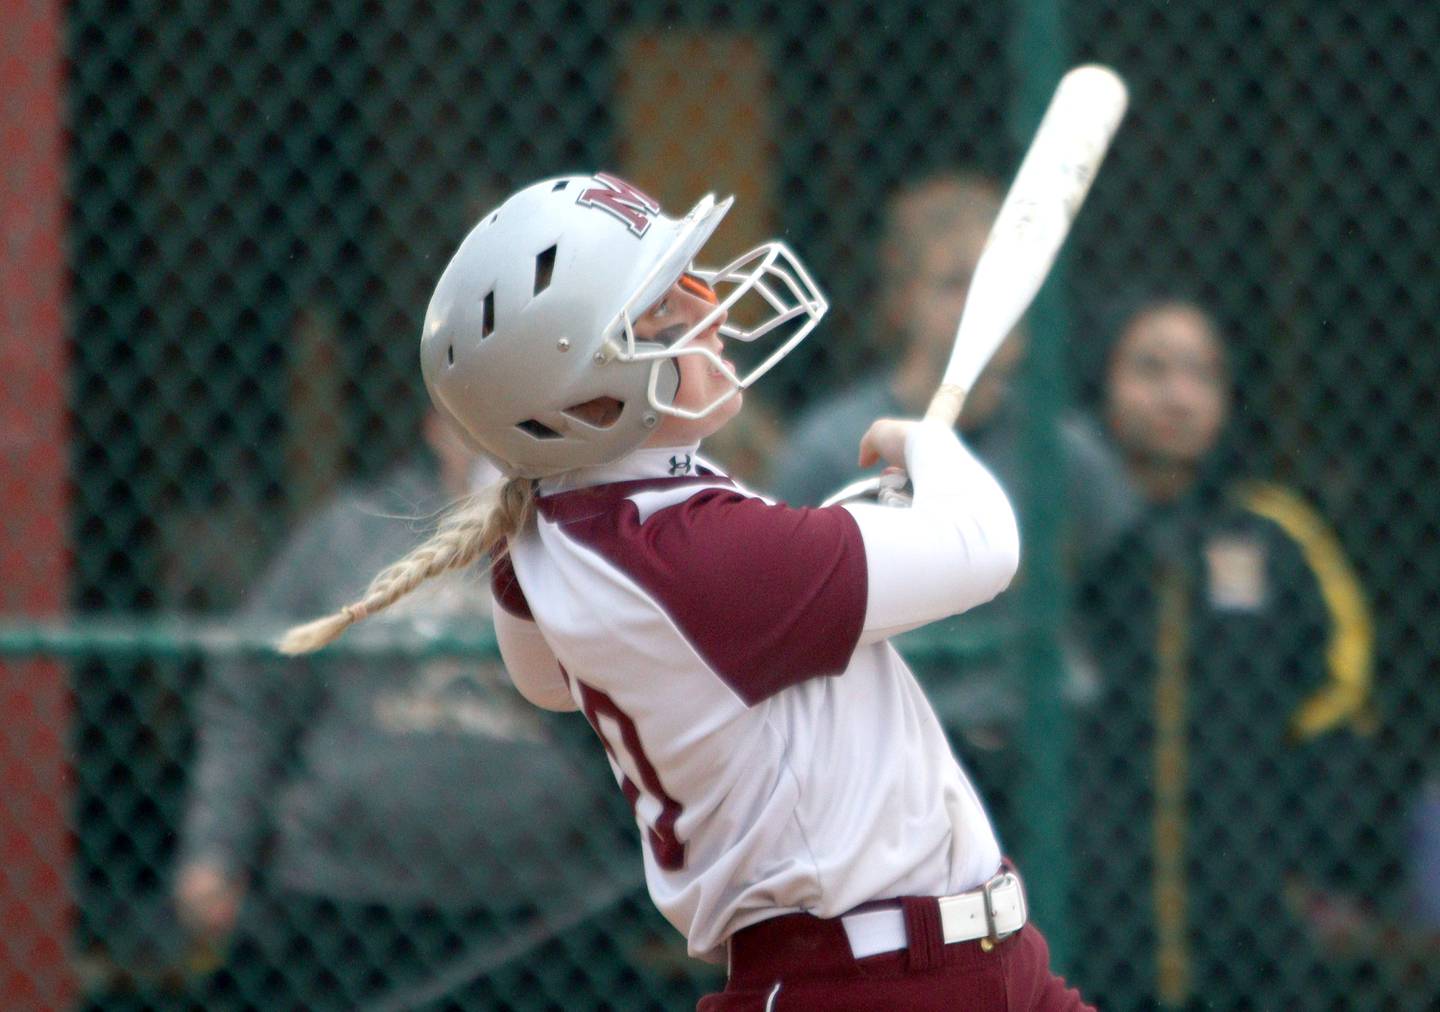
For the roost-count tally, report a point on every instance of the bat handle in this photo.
(945, 405)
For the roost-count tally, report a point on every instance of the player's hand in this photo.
(208, 900)
(885, 441)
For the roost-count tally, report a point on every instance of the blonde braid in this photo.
(474, 526)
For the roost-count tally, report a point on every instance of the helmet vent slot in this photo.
(598, 412)
(487, 322)
(450, 354)
(560, 186)
(544, 268)
(537, 429)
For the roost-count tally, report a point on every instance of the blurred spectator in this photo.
(365, 827)
(932, 236)
(933, 233)
(1219, 764)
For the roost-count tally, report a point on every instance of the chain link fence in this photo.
(222, 223)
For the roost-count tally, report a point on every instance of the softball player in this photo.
(802, 813)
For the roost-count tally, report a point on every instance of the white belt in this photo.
(992, 911)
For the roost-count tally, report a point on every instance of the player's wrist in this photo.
(922, 435)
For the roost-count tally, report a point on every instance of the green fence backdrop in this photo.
(223, 220)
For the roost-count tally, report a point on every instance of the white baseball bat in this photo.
(1034, 219)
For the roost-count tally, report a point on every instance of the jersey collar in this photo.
(646, 462)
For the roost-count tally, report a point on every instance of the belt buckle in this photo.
(993, 936)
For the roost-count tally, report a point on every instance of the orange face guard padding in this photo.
(699, 289)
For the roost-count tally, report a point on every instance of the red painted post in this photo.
(35, 900)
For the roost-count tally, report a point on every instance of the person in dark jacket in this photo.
(1236, 648)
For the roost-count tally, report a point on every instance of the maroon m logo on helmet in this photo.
(624, 201)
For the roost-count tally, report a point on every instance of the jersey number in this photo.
(664, 844)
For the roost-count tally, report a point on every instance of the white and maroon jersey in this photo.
(731, 653)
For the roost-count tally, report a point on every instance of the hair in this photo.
(1108, 320)
(1154, 304)
(478, 525)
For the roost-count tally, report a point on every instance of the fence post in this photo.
(1037, 48)
(34, 768)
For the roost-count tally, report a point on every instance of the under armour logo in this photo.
(679, 465)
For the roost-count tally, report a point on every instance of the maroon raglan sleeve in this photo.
(768, 595)
(506, 588)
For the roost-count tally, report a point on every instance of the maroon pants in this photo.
(802, 962)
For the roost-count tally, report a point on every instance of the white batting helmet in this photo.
(534, 316)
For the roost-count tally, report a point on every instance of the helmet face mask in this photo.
(784, 303)
(535, 316)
